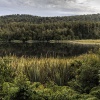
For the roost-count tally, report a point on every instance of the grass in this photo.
(49, 77)
(88, 41)
(47, 69)
(39, 70)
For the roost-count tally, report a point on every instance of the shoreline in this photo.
(83, 42)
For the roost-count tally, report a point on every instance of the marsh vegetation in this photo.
(34, 78)
(54, 76)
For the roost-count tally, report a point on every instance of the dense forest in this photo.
(28, 27)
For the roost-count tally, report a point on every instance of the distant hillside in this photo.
(38, 19)
(28, 27)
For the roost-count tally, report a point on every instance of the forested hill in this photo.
(28, 27)
(38, 19)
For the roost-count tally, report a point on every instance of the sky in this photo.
(49, 7)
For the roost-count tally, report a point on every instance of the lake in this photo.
(43, 49)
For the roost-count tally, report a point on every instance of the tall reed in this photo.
(48, 69)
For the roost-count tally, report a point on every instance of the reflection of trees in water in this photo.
(43, 49)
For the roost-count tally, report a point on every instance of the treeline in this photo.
(28, 27)
(38, 19)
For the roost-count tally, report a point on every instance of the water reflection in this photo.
(43, 49)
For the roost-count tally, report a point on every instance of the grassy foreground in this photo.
(50, 78)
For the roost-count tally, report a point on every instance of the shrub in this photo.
(95, 92)
(88, 78)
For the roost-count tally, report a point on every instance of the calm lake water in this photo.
(43, 49)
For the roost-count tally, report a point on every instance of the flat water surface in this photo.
(43, 49)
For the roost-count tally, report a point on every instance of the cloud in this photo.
(49, 7)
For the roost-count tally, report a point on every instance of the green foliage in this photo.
(19, 90)
(95, 92)
(10, 90)
(88, 78)
(44, 78)
(7, 73)
(27, 27)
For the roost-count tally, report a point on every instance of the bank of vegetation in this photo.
(75, 78)
(28, 27)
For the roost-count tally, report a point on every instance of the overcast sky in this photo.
(49, 7)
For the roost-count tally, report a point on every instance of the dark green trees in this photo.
(27, 27)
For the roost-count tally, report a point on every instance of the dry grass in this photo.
(88, 41)
(47, 69)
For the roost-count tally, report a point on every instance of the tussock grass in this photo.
(48, 69)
